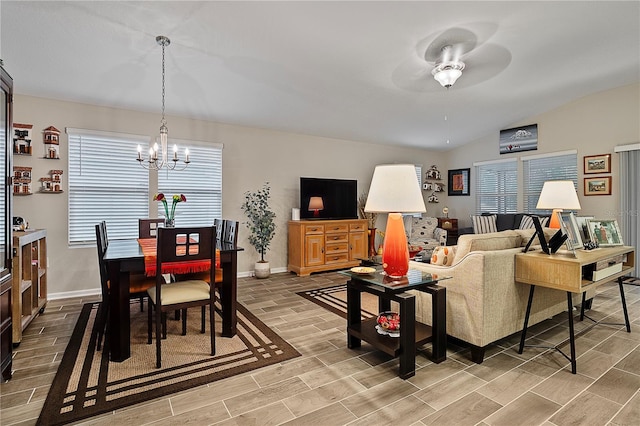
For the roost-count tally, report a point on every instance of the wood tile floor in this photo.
(333, 385)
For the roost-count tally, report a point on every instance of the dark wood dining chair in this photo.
(148, 228)
(219, 224)
(180, 245)
(138, 283)
(230, 233)
(103, 309)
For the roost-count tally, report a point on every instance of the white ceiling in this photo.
(350, 70)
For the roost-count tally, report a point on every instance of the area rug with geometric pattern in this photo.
(88, 384)
(334, 299)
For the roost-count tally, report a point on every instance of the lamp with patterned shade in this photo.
(395, 190)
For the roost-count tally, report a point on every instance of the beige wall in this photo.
(591, 125)
(251, 156)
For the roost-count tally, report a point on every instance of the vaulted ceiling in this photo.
(350, 70)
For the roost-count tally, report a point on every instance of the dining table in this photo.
(126, 256)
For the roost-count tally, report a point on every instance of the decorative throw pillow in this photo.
(527, 222)
(443, 255)
(484, 224)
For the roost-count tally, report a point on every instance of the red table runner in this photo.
(149, 250)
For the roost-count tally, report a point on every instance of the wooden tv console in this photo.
(325, 245)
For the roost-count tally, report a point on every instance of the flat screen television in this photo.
(338, 198)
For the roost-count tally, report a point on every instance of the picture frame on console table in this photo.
(606, 232)
(569, 227)
(583, 226)
(597, 164)
(458, 182)
(597, 185)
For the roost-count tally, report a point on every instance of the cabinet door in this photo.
(358, 245)
(314, 250)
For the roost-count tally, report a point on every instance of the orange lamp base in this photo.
(554, 222)
(395, 252)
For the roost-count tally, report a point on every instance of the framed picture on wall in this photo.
(519, 139)
(458, 182)
(597, 186)
(597, 164)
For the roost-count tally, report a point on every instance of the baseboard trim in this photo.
(96, 291)
(72, 294)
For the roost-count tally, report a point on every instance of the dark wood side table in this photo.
(412, 333)
(451, 226)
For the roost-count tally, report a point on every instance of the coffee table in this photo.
(412, 332)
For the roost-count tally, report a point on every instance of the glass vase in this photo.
(169, 223)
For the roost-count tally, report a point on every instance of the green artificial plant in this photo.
(260, 219)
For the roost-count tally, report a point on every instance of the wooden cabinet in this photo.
(6, 340)
(324, 245)
(451, 226)
(29, 279)
(6, 194)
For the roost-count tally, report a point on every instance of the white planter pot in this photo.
(262, 269)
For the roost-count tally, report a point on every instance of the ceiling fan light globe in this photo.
(448, 74)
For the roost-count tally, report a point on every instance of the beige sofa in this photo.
(484, 303)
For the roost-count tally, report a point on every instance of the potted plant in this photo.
(261, 225)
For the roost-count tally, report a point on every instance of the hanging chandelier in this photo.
(158, 156)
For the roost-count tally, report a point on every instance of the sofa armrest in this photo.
(440, 235)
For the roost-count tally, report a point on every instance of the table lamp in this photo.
(315, 205)
(395, 190)
(557, 195)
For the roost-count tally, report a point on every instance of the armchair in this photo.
(424, 232)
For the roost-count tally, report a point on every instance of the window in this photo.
(540, 168)
(497, 186)
(105, 183)
(201, 184)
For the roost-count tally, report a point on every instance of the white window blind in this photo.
(538, 169)
(201, 184)
(497, 187)
(105, 183)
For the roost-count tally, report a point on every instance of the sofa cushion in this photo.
(443, 255)
(486, 242)
(484, 224)
(506, 221)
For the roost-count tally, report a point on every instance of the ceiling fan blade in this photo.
(483, 64)
(461, 41)
(411, 75)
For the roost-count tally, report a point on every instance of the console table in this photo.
(573, 274)
(451, 226)
(29, 291)
(325, 245)
(412, 333)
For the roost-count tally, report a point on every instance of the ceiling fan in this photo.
(443, 56)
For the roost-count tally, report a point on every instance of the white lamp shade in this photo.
(316, 203)
(558, 194)
(395, 188)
